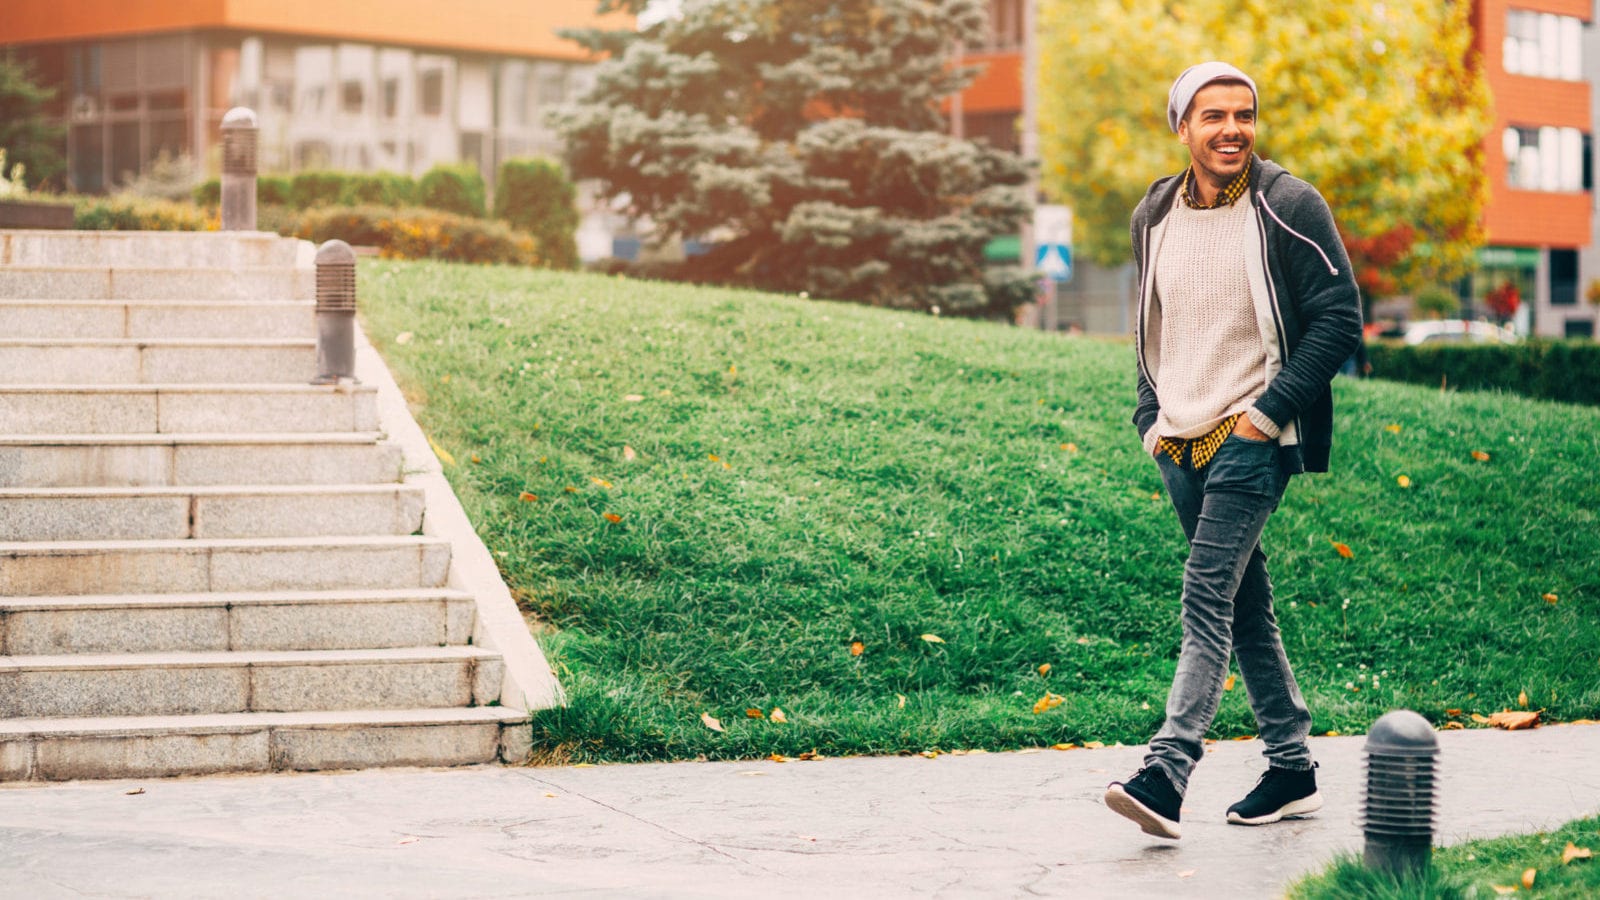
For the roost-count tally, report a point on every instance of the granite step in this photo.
(159, 746)
(150, 249)
(258, 620)
(156, 319)
(175, 361)
(174, 684)
(185, 408)
(112, 460)
(191, 566)
(172, 513)
(103, 282)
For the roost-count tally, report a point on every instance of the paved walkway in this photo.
(989, 825)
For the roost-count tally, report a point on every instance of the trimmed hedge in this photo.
(1565, 371)
(378, 189)
(270, 189)
(125, 212)
(420, 234)
(455, 189)
(536, 196)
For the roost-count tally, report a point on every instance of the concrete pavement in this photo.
(983, 825)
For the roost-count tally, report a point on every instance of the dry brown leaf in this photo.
(1228, 685)
(1480, 719)
(526, 497)
(778, 716)
(137, 791)
(857, 648)
(753, 713)
(613, 518)
(1392, 429)
(1512, 720)
(900, 701)
(570, 489)
(929, 754)
(1522, 699)
(1063, 746)
(710, 721)
(476, 458)
(810, 755)
(1094, 745)
(1480, 456)
(1551, 598)
(1044, 669)
(1047, 702)
(1573, 852)
(933, 639)
(628, 453)
(1452, 726)
(634, 398)
(1404, 481)
(1070, 447)
(778, 757)
(1344, 549)
(601, 481)
(1528, 875)
(1452, 713)
(1504, 889)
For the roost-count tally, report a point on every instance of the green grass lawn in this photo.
(1477, 869)
(732, 489)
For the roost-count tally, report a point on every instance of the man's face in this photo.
(1220, 131)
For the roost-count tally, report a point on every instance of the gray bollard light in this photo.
(1397, 809)
(336, 313)
(240, 135)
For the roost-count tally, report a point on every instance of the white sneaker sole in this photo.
(1291, 810)
(1151, 822)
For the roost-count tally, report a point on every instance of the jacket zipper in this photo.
(1326, 261)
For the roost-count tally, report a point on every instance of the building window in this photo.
(1544, 159)
(391, 98)
(1543, 45)
(1579, 328)
(1005, 24)
(352, 97)
(1563, 277)
(431, 92)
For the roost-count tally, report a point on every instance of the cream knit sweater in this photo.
(1213, 364)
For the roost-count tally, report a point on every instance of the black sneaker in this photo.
(1149, 799)
(1280, 794)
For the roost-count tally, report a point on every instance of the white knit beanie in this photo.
(1196, 77)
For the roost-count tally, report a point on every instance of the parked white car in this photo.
(1459, 331)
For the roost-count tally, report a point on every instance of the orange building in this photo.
(1539, 158)
(398, 85)
(991, 107)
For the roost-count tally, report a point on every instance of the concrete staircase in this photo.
(208, 564)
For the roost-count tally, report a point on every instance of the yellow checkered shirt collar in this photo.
(1225, 197)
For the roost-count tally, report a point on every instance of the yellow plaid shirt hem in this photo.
(1200, 449)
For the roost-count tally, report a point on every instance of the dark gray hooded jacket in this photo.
(1307, 307)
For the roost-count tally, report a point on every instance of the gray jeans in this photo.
(1227, 607)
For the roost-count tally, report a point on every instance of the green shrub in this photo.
(536, 196)
(208, 193)
(1436, 302)
(420, 234)
(378, 189)
(125, 212)
(1566, 371)
(312, 189)
(455, 189)
(277, 218)
(270, 189)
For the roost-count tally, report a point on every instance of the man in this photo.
(1247, 308)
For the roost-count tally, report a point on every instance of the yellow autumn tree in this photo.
(1381, 105)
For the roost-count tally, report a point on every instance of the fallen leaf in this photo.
(613, 518)
(1044, 669)
(634, 398)
(442, 453)
(628, 453)
(1503, 889)
(753, 713)
(570, 489)
(403, 337)
(1094, 745)
(778, 716)
(1063, 746)
(1452, 712)
(713, 457)
(1070, 447)
(929, 754)
(857, 648)
(1344, 549)
(901, 703)
(1047, 702)
(1392, 429)
(600, 481)
(1452, 726)
(1331, 734)
(1515, 721)
(1522, 699)
(1528, 875)
(1480, 719)
(476, 459)
(1551, 598)
(1404, 481)
(1228, 685)
(445, 380)
(778, 758)
(137, 791)
(933, 639)
(810, 755)
(1573, 852)
(1480, 456)
(710, 721)
(526, 497)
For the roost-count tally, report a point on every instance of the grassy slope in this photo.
(1474, 869)
(809, 475)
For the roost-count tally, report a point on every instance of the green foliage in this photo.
(419, 234)
(1565, 371)
(1435, 302)
(536, 196)
(1380, 105)
(274, 190)
(806, 475)
(1472, 870)
(378, 189)
(455, 189)
(126, 212)
(806, 140)
(167, 177)
(312, 189)
(27, 132)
